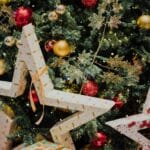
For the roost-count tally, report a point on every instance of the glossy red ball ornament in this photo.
(99, 140)
(49, 45)
(89, 3)
(119, 104)
(22, 16)
(97, 143)
(101, 136)
(90, 88)
(34, 96)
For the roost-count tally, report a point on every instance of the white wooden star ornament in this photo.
(30, 59)
(130, 126)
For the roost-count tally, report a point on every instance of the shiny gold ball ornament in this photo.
(61, 48)
(9, 41)
(2, 66)
(60, 9)
(4, 2)
(53, 16)
(144, 21)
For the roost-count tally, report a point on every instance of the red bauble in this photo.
(89, 3)
(22, 16)
(119, 104)
(99, 140)
(101, 136)
(90, 88)
(97, 143)
(49, 45)
(34, 96)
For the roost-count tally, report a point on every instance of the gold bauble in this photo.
(53, 16)
(60, 9)
(144, 21)
(9, 41)
(3, 2)
(2, 66)
(62, 48)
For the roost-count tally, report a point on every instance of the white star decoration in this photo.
(130, 126)
(30, 58)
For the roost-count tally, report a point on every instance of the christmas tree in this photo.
(98, 48)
